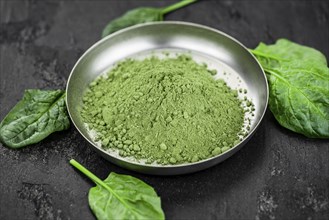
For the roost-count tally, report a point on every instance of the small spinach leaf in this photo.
(37, 115)
(141, 15)
(130, 18)
(122, 197)
(298, 78)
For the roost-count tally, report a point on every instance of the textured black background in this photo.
(277, 175)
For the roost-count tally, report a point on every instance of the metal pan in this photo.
(217, 49)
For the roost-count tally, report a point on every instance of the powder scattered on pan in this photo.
(165, 111)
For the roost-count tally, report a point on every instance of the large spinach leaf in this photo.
(141, 15)
(122, 197)
(298, 78)
(37, 115)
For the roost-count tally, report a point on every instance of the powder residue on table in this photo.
(166, 111)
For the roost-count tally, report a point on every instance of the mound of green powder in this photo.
(167, 111)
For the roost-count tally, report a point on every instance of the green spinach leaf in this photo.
(37, 115)
(130, 18)
(298, 78)
(122, 197)
(141, 15)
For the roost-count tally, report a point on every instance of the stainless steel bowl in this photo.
(217, 49)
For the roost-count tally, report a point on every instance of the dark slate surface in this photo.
(277, 175)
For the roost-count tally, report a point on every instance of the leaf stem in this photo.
(177, 6)
(84, 170)
(90, 175)
(96, 180)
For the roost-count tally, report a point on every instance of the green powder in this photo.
(166, 111)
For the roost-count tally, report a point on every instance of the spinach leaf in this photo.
(130, 18)
(37, 115)
(122, 197)
(298, 78)
(141, 15)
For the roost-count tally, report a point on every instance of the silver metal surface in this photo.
(235, 64)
